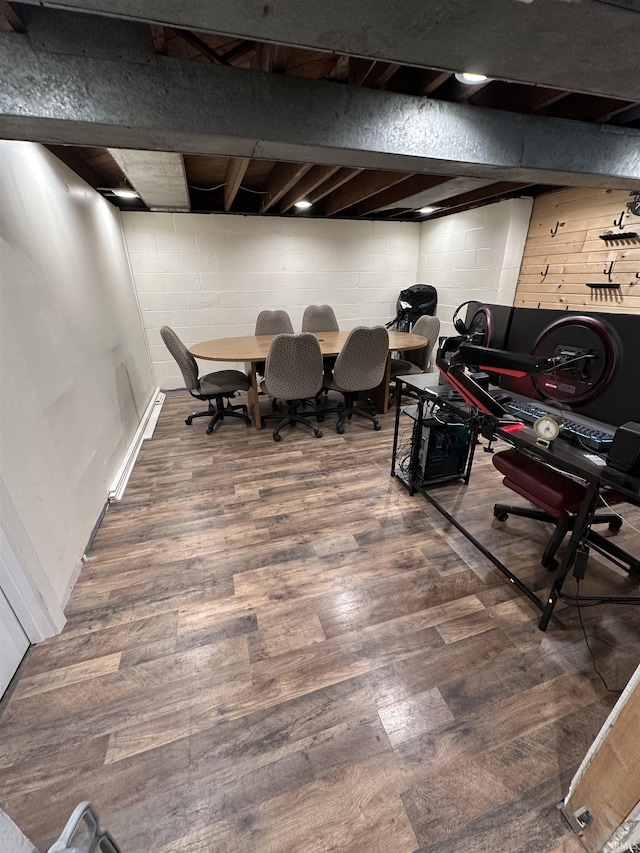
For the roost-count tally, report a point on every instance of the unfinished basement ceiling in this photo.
(260, 185)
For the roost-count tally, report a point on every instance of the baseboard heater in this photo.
(145, 430)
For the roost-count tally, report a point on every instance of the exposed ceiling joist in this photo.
(570, 45)
(392, 196)
(282, 178)
(310, 182)
(236, 169)
(10, 21)
(359, 189)
(341, 177)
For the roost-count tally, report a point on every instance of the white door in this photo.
(13, 643)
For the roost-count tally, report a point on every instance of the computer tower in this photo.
(443, 451)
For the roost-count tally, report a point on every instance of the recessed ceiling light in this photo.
(302, 205)
(428, 209)
(471, 79)
(125, 193)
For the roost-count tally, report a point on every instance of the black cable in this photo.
(593, 657)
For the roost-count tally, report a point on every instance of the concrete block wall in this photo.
(474, 255)
(208, 276)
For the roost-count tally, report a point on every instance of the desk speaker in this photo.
(624, 454)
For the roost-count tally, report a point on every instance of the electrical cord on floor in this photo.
(593, 657)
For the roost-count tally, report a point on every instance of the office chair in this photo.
(83, 833)
(293, 373)
(319, 318)
(418, 360)
(272, 323)
(360, 366)
(214, 386)
(558, 497)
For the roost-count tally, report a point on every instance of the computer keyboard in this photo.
(579, 430)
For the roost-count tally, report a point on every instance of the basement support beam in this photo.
(570, 45)
(169, 105)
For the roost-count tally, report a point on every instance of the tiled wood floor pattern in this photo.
(272, 647)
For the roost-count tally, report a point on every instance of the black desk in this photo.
(561, 455)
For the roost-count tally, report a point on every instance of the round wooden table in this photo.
(253, 349)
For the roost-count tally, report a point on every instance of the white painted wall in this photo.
(208, 276)
(474, 255)
(75, 375)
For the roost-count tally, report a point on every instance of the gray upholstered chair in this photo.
(214, 386)
(273, 323)
(319, 318)
(418, 360)
(293, 373)
(360, 366)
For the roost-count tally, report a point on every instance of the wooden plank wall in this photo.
(576, 254)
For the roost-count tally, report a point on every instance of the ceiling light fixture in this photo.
(471, 79)
(302, 205)
(125, 193)
(426, 210)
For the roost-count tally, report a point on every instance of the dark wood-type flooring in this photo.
(272, 647)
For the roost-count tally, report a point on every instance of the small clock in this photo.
(546, 429)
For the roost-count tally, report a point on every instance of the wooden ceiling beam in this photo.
(311, 181)
(341, 177)
(236, 169)
(405, 189)
(360, 188)
(239, 51)
(281, 179)
(159, 35)
(385, 73)
(457, 203)
(202, 46)
(10, 20)
(77, 163)
(437, 79)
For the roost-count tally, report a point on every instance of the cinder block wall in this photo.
(208, 276)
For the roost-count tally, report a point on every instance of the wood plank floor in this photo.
(272, 647)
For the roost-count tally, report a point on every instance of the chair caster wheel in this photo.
(377, 426)
(317, 433)
(615, 525)
(501, 516)
(340, 429)
(189, 421)
(277, 436)
(319, 418)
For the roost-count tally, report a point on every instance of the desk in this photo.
(253, 349)
(561, 455)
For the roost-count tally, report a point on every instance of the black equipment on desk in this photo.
(443, 451)
(578, 429)
(624, 453)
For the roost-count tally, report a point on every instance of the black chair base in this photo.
(293, 417)
(562, 526)
(348, 411)
(220, 412)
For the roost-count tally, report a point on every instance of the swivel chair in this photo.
(360, 366)
(272, 323)
(319, 318)
(293, 372)
(418, 360)
(84, 833)
(214, 386)
(557, 496)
